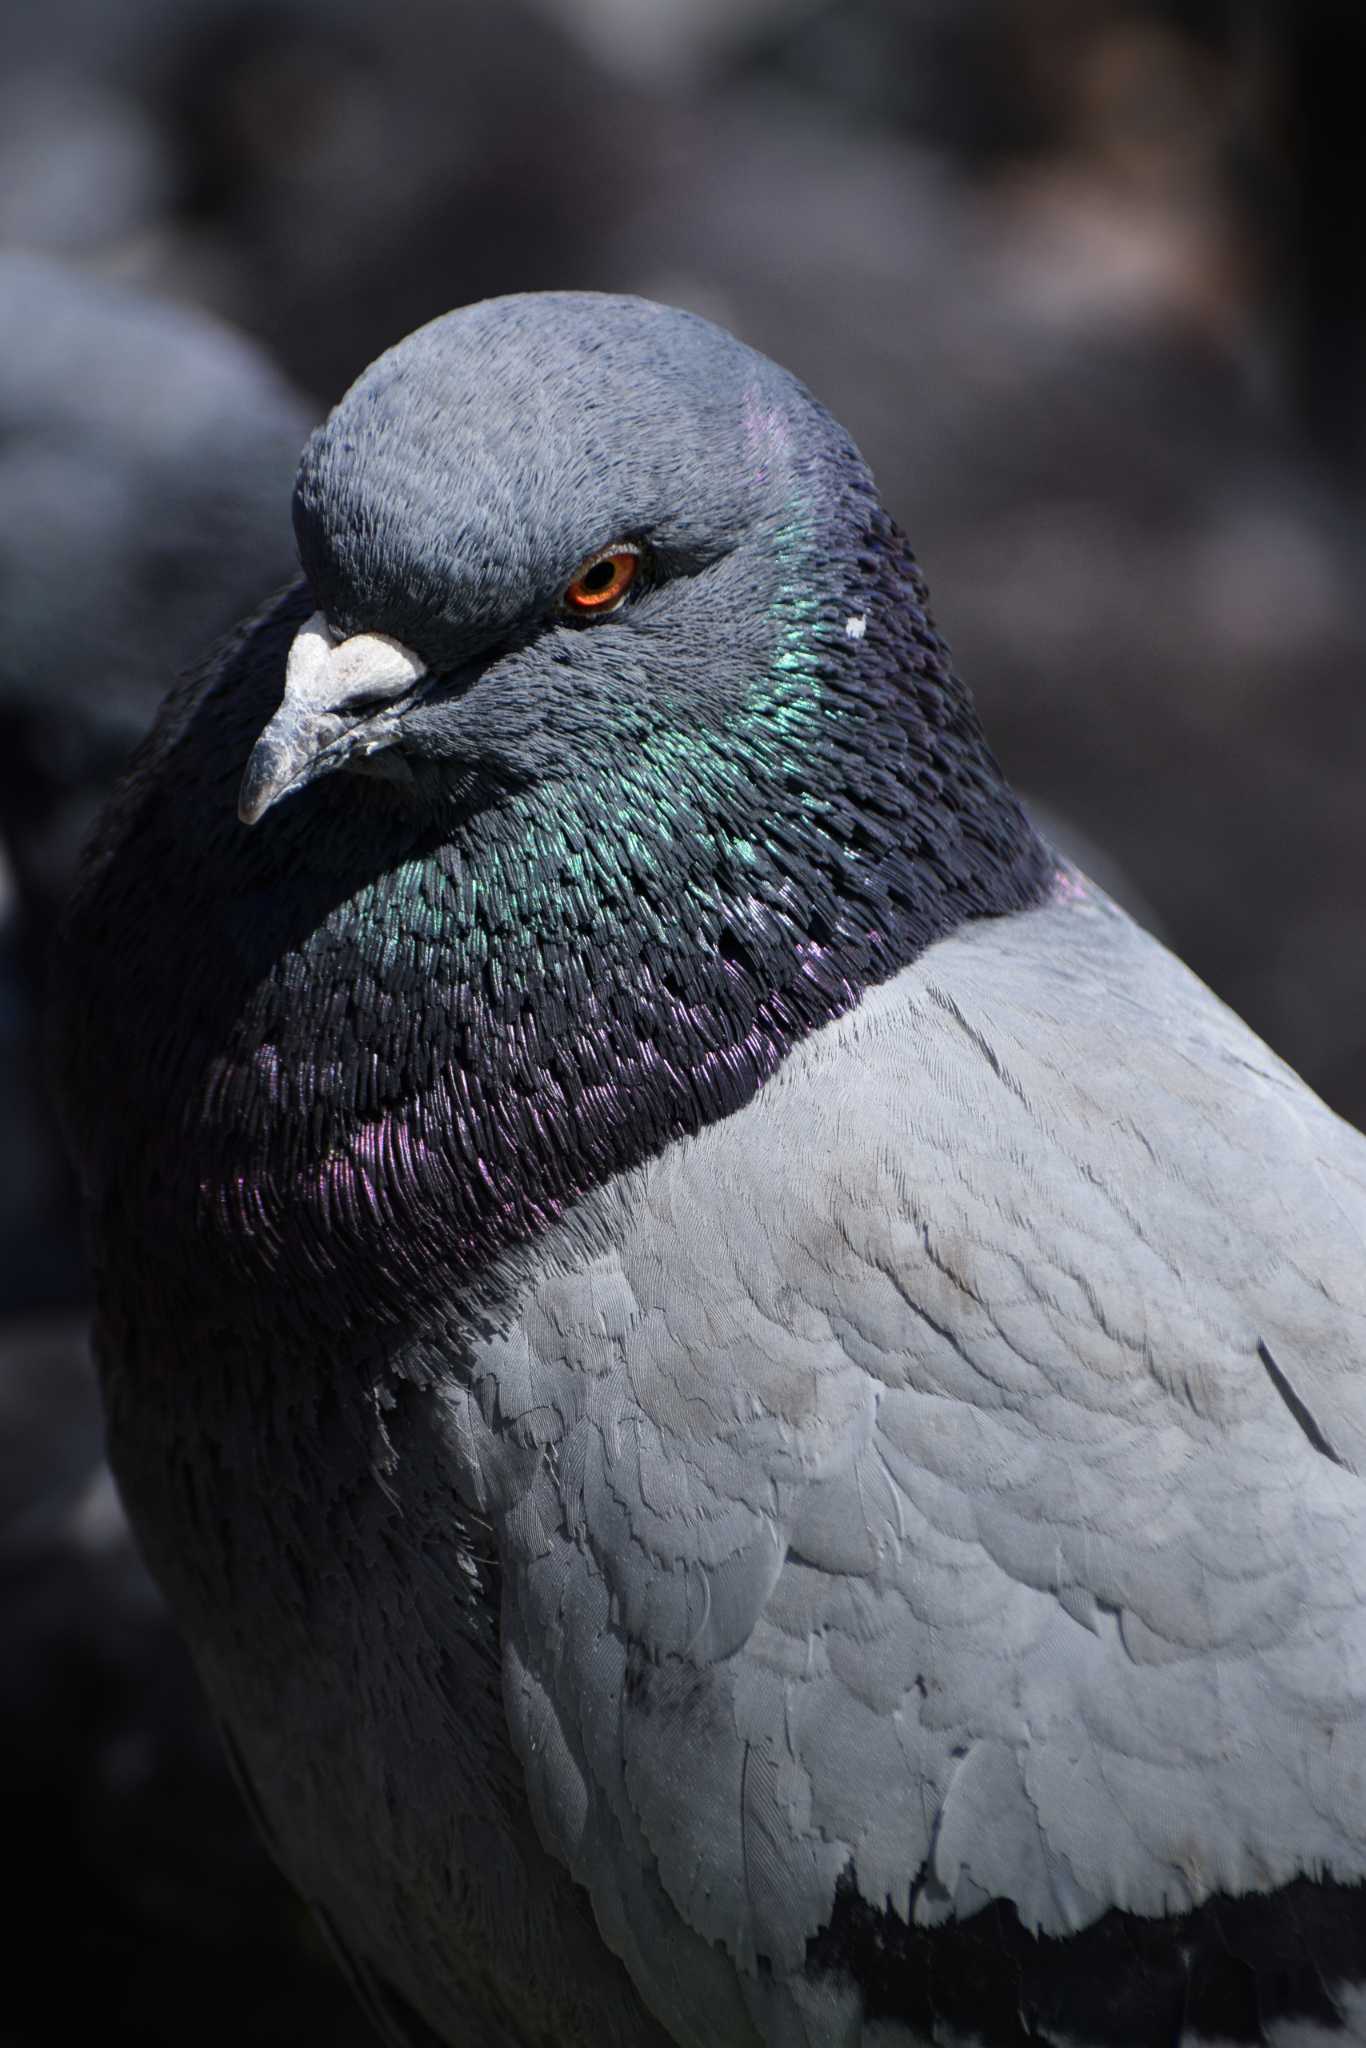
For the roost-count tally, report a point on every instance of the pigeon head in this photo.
(543, 527)
(609, 751)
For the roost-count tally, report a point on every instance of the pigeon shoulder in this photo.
(937, 1486)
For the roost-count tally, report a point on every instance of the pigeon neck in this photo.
(593, 969)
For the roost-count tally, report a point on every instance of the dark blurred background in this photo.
(1084, 277)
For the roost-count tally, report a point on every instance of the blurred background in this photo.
(1086, 280)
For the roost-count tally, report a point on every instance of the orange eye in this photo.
(603, 581)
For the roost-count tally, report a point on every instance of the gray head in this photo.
(447, 508)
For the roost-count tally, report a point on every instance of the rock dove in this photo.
(145, 451)
(742, 1388)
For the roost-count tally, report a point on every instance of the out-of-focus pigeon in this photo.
(144, 449)
(145, 454)
(726, 1366)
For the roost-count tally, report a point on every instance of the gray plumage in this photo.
(1001, 1480)
(874, 1513)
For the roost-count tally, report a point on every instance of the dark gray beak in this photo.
(341, 706)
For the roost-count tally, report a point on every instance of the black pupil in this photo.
(599, 576)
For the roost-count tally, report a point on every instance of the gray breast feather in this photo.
(949, 1475)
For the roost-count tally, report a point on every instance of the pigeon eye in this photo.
(602, 583)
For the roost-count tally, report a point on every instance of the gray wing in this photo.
(943, 1477)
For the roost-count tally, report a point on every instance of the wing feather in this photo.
(913, 1504)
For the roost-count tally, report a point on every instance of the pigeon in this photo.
(747, 1395)
(144, 448)
(146, 452)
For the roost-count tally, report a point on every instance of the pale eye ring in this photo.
(602, 583)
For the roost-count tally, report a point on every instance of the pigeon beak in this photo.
(341, 705)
